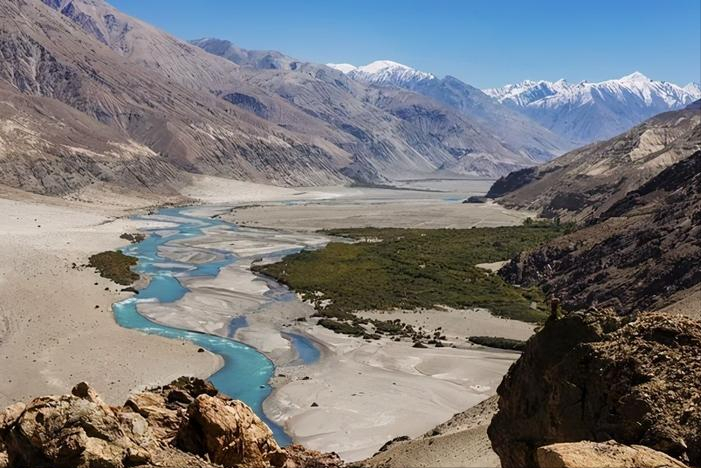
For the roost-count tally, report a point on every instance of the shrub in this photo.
(116, 266)
(498, 342)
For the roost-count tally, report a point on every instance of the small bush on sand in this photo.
(116, 266)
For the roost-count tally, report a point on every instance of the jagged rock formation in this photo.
(230, 433)
(584, 183)
(596, 376)
(643, 253)
(602, 455)
(184, 424)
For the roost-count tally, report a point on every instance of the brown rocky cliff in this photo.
(596, 376)
(184, 424)
(640, 255)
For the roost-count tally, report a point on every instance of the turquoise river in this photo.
(246, 372)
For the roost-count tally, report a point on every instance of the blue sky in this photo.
(485, 43)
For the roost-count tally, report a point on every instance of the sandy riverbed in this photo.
(368, 392)
(381, 208)
(361, 389)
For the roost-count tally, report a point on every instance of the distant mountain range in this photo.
(576, 113)
(391, 132)
(587, 112)
(91, 96)
(516, 131)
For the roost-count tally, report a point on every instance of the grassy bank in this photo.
(415, 268)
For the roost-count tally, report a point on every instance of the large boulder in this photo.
(602, 455)
(164, 407)
(230, 433)
(597, 376)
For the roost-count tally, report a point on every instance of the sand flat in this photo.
(370, 392)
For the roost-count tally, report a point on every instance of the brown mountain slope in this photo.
(46, 56)
(197, 112)
(51, 147)
(586, 182)
(642, 254)
(396, 133)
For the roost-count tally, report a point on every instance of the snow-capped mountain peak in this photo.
(379, 66)
(342, 67)
(635, 77)
(693, 89)
(589, 111)
(384, 72)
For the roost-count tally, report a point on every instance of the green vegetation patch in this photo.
(415, 268)
(116, 266)
(499, 342)
(347, 328)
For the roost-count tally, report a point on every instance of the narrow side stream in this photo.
(246, 372)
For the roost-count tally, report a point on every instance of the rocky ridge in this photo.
(584, 183)
(185, 424)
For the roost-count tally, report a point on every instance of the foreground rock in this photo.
(602, 455)
(184, 424)
(230, 433)
(596, 376)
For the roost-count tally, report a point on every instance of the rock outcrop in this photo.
(77, 430)
(184, 424)
(596, 376)
(230, 433)
(602, 455)
(512, 182)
